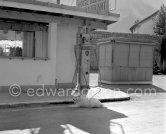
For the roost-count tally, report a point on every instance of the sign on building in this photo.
(101, 6)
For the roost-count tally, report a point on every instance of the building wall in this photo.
(60, 66)
(145, 28)
(65, 53)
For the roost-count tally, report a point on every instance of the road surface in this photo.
(143, 114)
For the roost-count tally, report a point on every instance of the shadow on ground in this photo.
(62, 120)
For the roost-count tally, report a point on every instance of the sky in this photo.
(129, 10)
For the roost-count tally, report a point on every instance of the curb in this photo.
(53, 103)
(34, 104)
(114, 99)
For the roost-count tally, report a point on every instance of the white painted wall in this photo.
(145, 28)
(65, 53)
(26, 72)
(61, 65)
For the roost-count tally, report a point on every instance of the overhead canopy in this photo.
(34, 6)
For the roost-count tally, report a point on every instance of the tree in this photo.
(160, 21)
(160, 30)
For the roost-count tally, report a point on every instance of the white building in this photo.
(145, 26)
(40, 39)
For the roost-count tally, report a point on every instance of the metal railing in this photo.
(112, 3)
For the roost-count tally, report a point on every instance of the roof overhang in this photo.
(32, 6)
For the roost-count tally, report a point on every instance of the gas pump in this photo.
(82, 53)
(85, 66)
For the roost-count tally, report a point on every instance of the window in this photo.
(23, 40)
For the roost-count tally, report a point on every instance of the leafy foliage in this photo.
(160, 21)
(160, 30)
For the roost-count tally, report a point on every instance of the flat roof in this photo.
(58, 10)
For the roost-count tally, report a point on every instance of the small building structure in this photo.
(126, 60)
(37, 41)
(145, 26)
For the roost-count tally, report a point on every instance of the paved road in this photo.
(142, 115)
(160, 81)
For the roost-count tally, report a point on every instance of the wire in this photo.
(76, 70)
(98, 65)
(98, 72)
(84, 77)
(96, 93)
